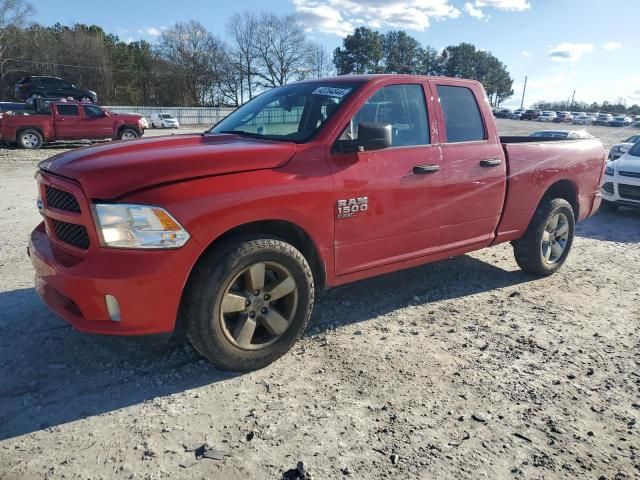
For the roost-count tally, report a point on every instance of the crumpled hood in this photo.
(627, 163)
(114, 169)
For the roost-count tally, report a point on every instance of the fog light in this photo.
(113, 307)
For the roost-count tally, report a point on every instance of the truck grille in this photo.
(630, 174)
(71, 233)
(61, 200)
(608, 187)
(632, 192)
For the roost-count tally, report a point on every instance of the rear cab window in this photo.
(462, 117)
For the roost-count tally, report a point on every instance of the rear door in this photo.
(387, 201)
(474, 164)
(68, 122)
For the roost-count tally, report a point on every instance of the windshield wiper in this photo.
(242, 133)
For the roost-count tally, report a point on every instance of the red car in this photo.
(68, 120)
(229, 234)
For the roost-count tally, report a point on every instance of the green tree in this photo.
(401, 53)
(362, 52)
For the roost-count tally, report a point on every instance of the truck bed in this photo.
(535, 164)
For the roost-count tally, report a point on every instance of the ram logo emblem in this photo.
(351, 206)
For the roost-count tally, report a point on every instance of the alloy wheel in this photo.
(554, 238)
(258, 305)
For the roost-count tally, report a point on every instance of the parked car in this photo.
(620, 121)
(583, 119)
(623, 147)
(504, 113)
(562, 134)
(68, 120)
(563, 117)
(602, 119)
(622, 180)
(32, 87)
(547, 116)
(233, 231)
(164, 120)
(531, 114)
(517, 114)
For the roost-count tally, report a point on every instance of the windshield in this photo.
(166, 116)
(291, 113)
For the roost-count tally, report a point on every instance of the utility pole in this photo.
(523, 92)
(573, 97)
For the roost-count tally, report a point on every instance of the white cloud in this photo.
(151, 31)
(525, 53)
(509, 5)
(338, 17)
(474, 12)
(611, 46)
(569, 52)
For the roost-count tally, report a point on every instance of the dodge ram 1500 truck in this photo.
(230, 233)
(68, 120)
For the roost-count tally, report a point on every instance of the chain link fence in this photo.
(185, 115)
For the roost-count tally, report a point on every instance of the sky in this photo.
(589, 46)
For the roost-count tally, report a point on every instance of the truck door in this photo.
(97, 124)
(474, 165)
(68, 122)
(387, 201)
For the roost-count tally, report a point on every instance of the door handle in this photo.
(422, 169)
(490, 162)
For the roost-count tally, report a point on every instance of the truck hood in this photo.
(627, 163)
(114, 169)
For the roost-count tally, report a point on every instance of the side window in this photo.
(401, 106)
(93, 112)
(68, 110)
(463, 121)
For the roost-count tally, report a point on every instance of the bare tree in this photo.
(280, 49)
(243, 29)
(14, 16)
(319, 61)
(193, 51)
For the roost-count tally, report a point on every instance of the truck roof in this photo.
(379, 77)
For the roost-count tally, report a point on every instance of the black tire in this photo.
(126, 132)
(528, 250)
(206, 325)
(610, 206)
(85, 99)
(32, 98)
(30, 139)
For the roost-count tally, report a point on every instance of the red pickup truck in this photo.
(68, 120)
(230, 233)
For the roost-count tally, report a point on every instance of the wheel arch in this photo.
(565, 189)
(282, 229)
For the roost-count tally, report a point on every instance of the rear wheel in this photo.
(30, 139)
(85, 99)
(128, 134)
(34, 96)
(247, 304)
(544, 247)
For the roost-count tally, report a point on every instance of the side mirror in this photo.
(371, 136)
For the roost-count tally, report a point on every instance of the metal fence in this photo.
(185, 115)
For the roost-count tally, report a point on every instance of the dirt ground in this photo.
(466, 368)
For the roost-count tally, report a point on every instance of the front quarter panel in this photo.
(299, 192)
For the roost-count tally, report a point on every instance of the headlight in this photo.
(609, 170)
(138, 226)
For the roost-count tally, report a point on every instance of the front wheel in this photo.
(248, 303)
(128, 134)
(544, 247)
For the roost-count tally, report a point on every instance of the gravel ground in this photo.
(470, 369)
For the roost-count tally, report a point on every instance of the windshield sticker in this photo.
(331, 91)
